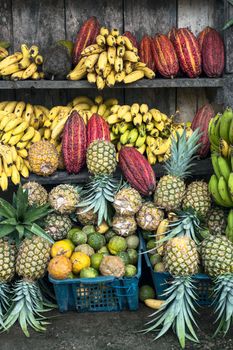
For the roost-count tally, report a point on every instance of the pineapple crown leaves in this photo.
(4, 301)
(19, 220)
(182, 154)
(176, 311)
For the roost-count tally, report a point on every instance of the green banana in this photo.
(232, 161)
(124, 137)
(224, 167)
(142, 129)
(123, 126)
(213, 130)
(230, 185)
(115, 129)
(223, 191)
(231, 133)
(214, 160)
(230, 219)
(213, 189)
(133, 135)
(225, 123)
(140, 141)
(228, 232)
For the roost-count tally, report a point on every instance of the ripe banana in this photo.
(154, 303)
(134, 76)
(101, 41)
(160, 235)
(110, 80)
(104, 31)
(15, 176)
(15, 139)
(141, 140)
(29, 71)
(92, 49)
(4, 181)
(91, 60)
(12, 124)
(16, 57)
(118, 64)
(19, 108)
(100, 83)
(224, 148)
(20, 128)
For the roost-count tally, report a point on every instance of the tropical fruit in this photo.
(88, 272)
(201, 36)
(96, 260)
(132, 242)
(57, 226)
(89, 229)
(116, 245)
(171, 34)
(109, 234)
(79, 237)
(155, 258)
(130, 160)
(74, 143)
(102, 228)
(164, 54)
(101, 157)
(86, 217)
(146, 292)
(104, 251)
(85, 249)
(79, 261)
(198, 198)
(64, 198)
(133, 256)
(132, 38)
(124, 257)
(43, 158)
(124, 225)
(97, 129)
(112, 266)
(37, 194)
(151, 246)
(60, 267)
(145, 52)
(72, 231)
(7, 261)
(149, 216)
(130, 270)
(159, 267)
(127, 201)
(213, 54)
(64, 247)
(216, 221)
(96, 241)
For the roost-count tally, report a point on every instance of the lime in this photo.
(79, 237)
(130, 270)
(104, 251)
(159, 267)
(146, 292)
(146, 235)
(88, 229)
(132, 242)
(116, 245)
(96, 260)
(124, 257)
(155, 258)
(88, 272)
(72, 231)
(96, 241)
(133, 256)
(109, 235)
(151, 244)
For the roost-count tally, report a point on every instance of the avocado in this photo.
(57, 63)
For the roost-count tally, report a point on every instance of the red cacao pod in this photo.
(145, 51)
(201, 121)
(132, 38)
(137, 170)
(188, 52)
(166, 61)
(97, 129)
(213, 54)
(171, 34)
(74, 143)
(86, 36)
(201, 36)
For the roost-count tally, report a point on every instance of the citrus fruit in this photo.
(124, 257)
(159, 267)
(151, 244)
(79, 237)
(96, 260)
(104, 251)
(130, 270)
(133, 256)
(132, 242)
(72, 231)
(96, 241)
(116, 245)
(146, 235)
(108, 235)
(102, 228)
(63, 247)
(155, 258)
(88, 272)
(60, 267)
(86, 249)
(79, 261)
(146, 292)
(88, 229)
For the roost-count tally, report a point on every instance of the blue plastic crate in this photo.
(161, 281)
(104, 293)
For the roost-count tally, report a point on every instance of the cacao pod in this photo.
(201, 36)
(132, 38)
(171, 34)
(201, 121)
(97, 129)
(213, 54)
(145, 52)
(164, 54)
(86, 36)
(188, 52)
(74, 143)
(137, 170)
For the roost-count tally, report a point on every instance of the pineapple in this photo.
(124, 225)
(127, 201)
(197, 197)
(86, 217)
(149, 216)
(181, 260)
(101, 157)
(37, 194)
(216, 221)
(170, 191)
(58, 226)
(43, 158)
(64, 199)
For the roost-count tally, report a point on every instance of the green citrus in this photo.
(109, 235)
(88, 272)
(155, 258)
(79, 237)
(146, 292)
(130, 270)
(132, 242)
(133, 256)
(72, 231)
(124, 257)
(104, 251)
(96, 260)
(96, 241)
(88, 229)
(117, 244)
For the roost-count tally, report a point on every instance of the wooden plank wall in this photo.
(46, 21)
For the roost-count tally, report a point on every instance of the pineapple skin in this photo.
(124, 225)
(86, 218)
(149, 216)
(64, 198)
(127, 201)
(43, 158)
(197, 197)
(58, 226)
(7, 260)
(101, 157)
(216, 221)
(37, 194)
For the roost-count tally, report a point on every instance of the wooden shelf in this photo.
(202, 168)
(144, 83)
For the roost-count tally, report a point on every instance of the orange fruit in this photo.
(64, 247)
(60, 267)
(80, 261)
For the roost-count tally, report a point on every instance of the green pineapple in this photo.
(58, 226)
(101, 157)
(198, 198)
(170, 191)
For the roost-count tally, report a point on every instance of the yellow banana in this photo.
(44, 110)
(20, 128)
(29, 111)
(3, 105)
(120, 51)
(25, 51)
(102, 108)
(19, 163)
(22, 153)
(104, 31)
(41, 131)
(128, 67)
(134, 76)
(135, 109)
(7, 168)
(54, 112)
(25, 171)
(100, 40)
(17, 75)
(131, 57)
(3, 53)
(102, 61)
(22, 144)
(91, 49)
(16, 57)
(118, 64)
(6, 137)
(15, 176)
(149, 73)
(91, 60)
(111, 53)
(160, 234)
(36, 76)
(29, 71)
(127, 117)
(5, 120)
(77, 74)
(142, 149)
(128, 43)
(34, 51)
(160, 126)
(163, 148)
(122, 110)
(13, 153)
(119, 77)
(141, 140)
(106, 113)
(111, 102)
(15, 139)
(91, 78)
(13, 123)
(39, 60)
(10, 106)
(26, 162)
(137, 120)
(113, 119)
(144, 108)
(115, 32)
(156, 115)
(115, 108)
(58, 128)
(94, 109)
(1, 167)
(154, 303)
(24, 63)
(81, 99)
(150, 156)
(47, 134)
(147, 117)
(19, 108)
(100, 83)
(110, 80)
(4, 181)
(13, 68)
(111, 40)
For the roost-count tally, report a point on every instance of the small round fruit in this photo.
(159, 267)
(146, 292)
(112, 266)
(125, 257)
(64, 247)
(96, 260)
(79, 237)
(130, 270)
(151, 246)
(108, 235)
(88, 229)
(102, 228)
(132, 242)
(60, 267)
(72, 231)
(86, 249)
(104, 251)
(96, 241)
(116, 245)
(146, 235)
(79, 261)
(43, 158)
(88, 272)
(155, 258)
(133, 256)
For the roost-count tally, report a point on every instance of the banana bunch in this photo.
(3, 49)
(112, 59)
(229, 228)
(149, 130)
(22, 65)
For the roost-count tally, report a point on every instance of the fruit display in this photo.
(145, 52)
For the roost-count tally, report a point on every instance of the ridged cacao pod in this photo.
(171, 34)
(213, 54)
(188, 52)
(74, 143)
(201, 121)
(201, 36)
(166, 61)
(86, 36)
(132, 38)
(97, 129)
(145, 51)
(137, 170)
